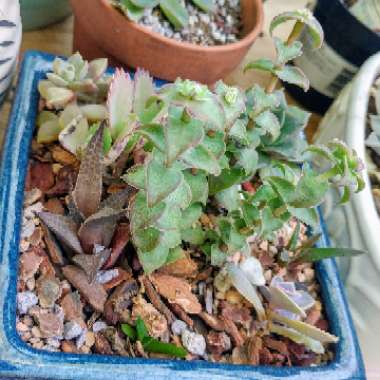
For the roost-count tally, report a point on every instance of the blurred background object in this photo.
(37, 14)
(351, 30)
(10, 38)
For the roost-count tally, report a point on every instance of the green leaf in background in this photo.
(175, 12)
(286, 53)
(263, 64)
(293, 75)
(303, 16)
(205, 5)
(145, 3)
(316, 254)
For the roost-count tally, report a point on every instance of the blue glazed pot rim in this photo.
(18, 360)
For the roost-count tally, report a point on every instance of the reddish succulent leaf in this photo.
(99, 228)
(94, 293)
(119, 242)
(88, 189)
(117, 200)
(64, 228)
(92, 263)
(54, 249)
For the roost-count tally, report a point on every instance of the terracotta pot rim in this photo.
(247, 40)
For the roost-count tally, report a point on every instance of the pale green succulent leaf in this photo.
(293, 75)
(205, 5)
(198, 186)
(175, 12)
(133, 12)
(316, 254)
(153, 259)
(135, 176)
(226, 179)
(155, 133)
(193, 235)
(269, 124)
(263, 64)
(201, 158)
(285, 52)
(190, 215)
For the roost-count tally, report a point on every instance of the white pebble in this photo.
(72, 330)
(99, 326)
(178, 327)
(194, 343)
(25, 300)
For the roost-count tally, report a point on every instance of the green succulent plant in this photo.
(218, 166)
(174, 10)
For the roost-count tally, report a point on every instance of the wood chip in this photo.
(177, 290)
(185, 267)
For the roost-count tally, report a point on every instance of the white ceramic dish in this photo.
(357, 224)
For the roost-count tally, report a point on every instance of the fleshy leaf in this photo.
(304, 16)
(200, 158)
(58, 97)
(160, 181)
(97, 67)
(305, 329)
(190, 215)
(293, 75)
(133, 12)
(198, 186)
(143, 89)
(181, 133)
(226, 179)
(99, 228)
(281, 300)
(147, 239)
(74, 136)
(145, 3)
(64, 228)
(175, 12)
(91, 264)
(295, 336)
(88, 188)
(155, 133)
(268, 123)
(316, 254)
(218, 257)
(205, 5)
(153, 259)
(135, 176)
(286, 53)
(119, 101)
(262, 64)
(48, 127)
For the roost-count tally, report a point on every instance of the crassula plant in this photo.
(174, 10)
(204, 172)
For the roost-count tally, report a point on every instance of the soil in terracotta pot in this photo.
(188, 303)
(220, 27)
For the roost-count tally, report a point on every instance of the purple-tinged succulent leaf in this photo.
(120, 101)
(143, 90)
(88, 188)
(91, 264)
(121, 141)
(64, 228)
(280, 299)
(99, 228)
(58, 97)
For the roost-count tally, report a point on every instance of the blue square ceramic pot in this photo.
(17, 360)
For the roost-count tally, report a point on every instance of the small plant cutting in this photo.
(176, 222)
(204, 22)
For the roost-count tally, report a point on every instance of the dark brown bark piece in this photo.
(42, 176)
(54, 249)
(119, 241)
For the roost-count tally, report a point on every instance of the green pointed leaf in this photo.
(259, 100)
(193, 235)
(304, 16)
(200, 158)
(191, 215)
(262, 64)
(175, 12)
(181, 133)
(154, 259)
(154, 345)
(269, 123)
(141, 330)
(142, 216)
(229, 198)
(230, 236)
(269, 223)
(133, 12)
(155, 133)
(170, 238)
(198, 186)
(160, 181)
(293, 75)
(308, 216)
(286, 53)
(180, 197)
(175, 254)
(248, 159)
(129, 331)
(144, 87)
(146, 239)
(226, 179)
(135, 176)
(316, 254)
(214, 143)
(145, 3)
(170, 218)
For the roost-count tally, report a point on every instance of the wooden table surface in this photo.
(57, 39)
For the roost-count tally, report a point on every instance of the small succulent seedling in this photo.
(174, 10)
(217, 166)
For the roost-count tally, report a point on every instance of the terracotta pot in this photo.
(100, 30)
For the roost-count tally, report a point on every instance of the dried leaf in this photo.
(120, 240)
(64, 228)
(54, 249)
(88, 188)
(117, 200)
